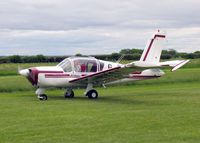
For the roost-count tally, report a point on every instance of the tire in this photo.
(43, 97)
(92, 94)
(69, 95)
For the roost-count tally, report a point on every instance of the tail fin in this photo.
(153, 49)
(152, 52)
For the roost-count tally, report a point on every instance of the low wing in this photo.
(118, 73)
(102, 77)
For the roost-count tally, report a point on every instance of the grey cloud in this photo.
(95, 26)
(60, 14)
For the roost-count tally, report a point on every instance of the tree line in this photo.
(129, 54)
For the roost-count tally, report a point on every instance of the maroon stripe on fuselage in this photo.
(50, 71)
(57, 75)
(137, 72)
(150, 45)
(144, 76)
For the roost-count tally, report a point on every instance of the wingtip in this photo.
(179, 65)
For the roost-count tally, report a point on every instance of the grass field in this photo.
(156, 111)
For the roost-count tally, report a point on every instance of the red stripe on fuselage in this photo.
(144, 76)
(57, 75)
(50, 71)
(150, 45)
(137, 72)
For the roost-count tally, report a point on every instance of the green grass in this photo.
(12, 69)
(194, 63)
(14, 83)
(166, 113)
(156, 111)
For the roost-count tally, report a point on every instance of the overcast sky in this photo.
(67, 27)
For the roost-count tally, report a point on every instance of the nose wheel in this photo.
(92, 94)
(42, 97)
(40, 93)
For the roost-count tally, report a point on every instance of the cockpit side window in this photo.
(91, 66)
(82, 65)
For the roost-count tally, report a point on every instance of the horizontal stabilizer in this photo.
(174, 64)
(180, 65)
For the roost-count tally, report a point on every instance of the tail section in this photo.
(153, 49)
(152, 52)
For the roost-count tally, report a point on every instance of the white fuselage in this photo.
(56, 76)
(78, 67)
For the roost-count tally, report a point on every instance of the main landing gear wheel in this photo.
(69, 94)
(42, 97)
(92, 94)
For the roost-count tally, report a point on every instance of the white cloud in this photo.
(63, 27)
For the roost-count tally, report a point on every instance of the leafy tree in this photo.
(136, 51)
(15, 59)
(115, 56)
(173, 53)
(197, 54)
(78, 55)
(4, 60)
(125, 51)
(166, 56)
(40, 58)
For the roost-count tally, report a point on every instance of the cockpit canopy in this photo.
(79, 64)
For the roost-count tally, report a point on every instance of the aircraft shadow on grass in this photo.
(112, 100)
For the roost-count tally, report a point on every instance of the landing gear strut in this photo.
(41, 95)
(90, 92)
(69, 93)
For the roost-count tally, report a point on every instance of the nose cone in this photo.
(24, 72)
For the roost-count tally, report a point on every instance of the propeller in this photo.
(23, 72)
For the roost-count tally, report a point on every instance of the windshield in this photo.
(66, 65)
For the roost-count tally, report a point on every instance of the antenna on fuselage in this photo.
(120, 58)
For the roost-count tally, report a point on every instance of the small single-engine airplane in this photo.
(88, 71)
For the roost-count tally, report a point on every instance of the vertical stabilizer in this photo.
(153, 49)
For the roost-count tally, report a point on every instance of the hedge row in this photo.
(129, 54)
